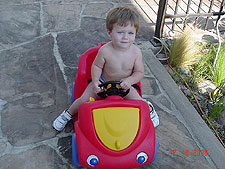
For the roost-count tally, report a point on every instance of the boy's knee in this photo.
(88, 93)
(133, 94)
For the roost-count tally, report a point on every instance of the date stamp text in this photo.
(193, 153)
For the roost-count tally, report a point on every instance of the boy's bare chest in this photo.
(118, 63)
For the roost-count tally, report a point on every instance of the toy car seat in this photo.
(83, 76)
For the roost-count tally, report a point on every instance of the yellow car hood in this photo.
(116, 127)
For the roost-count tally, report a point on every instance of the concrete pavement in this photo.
(40, 45)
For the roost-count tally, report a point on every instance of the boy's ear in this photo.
(109, 33)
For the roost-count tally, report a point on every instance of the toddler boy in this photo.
(118, 60)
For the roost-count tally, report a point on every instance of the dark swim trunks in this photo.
(101, 79)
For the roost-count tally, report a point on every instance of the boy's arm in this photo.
(96, 70)
(138, 72)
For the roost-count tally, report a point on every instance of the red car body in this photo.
(86, 141)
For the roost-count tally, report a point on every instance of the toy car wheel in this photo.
(74, 152)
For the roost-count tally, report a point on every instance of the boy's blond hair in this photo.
(122, 15)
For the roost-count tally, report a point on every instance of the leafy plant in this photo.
(219, 69)
(217, 93)
(217, 109)
(204, 68)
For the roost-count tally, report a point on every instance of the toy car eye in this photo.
(92, 160)
(142, 157)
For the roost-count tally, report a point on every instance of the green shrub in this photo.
(204, 68)
(217, 109)
(219, 69)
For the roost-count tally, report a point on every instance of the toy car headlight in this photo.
(142, 158)
(92, 160)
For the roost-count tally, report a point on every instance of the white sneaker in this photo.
(61, 121)
(154, 116)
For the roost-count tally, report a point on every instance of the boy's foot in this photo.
(61, 121)
(154, 115)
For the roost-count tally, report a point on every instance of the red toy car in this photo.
(111, 132)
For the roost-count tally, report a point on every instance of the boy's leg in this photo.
(61, 121)
(133, 94)
(73, 109)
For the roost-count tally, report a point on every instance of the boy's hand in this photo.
(125, 84)
(96, 88)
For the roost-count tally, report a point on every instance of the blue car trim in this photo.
(155, 150)
(75, 158)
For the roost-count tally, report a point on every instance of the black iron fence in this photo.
(177, 14)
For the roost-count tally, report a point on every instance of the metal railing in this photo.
(203, 13)
(174, 15)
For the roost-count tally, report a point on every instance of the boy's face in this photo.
(122, 36)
